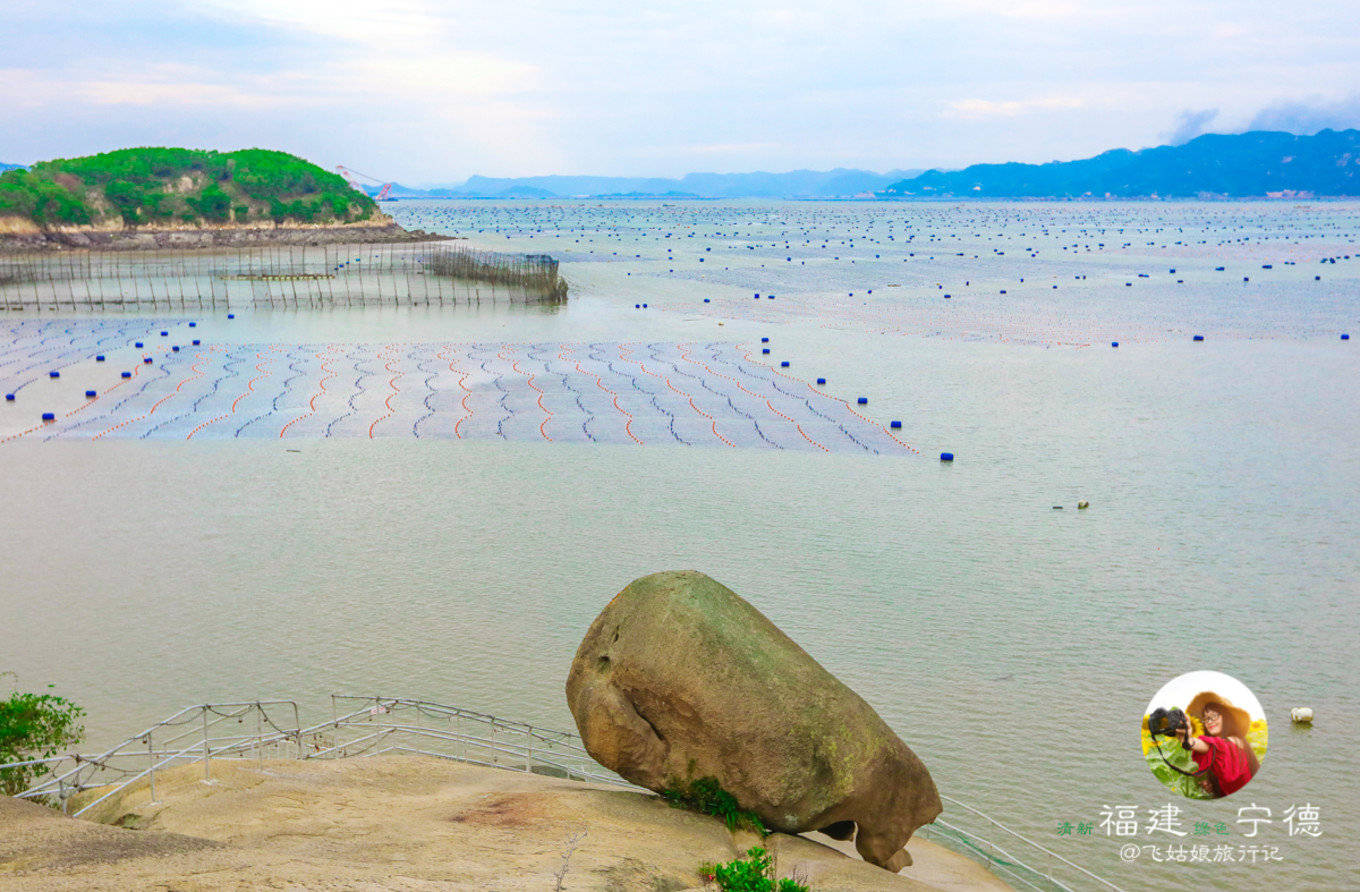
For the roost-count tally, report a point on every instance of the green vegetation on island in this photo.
(159, 187)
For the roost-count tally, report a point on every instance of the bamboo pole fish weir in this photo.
(296, 276)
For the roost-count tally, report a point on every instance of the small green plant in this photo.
(34, 726)
(754, 873)
(707, 796)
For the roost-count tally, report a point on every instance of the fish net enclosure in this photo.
(290, 275)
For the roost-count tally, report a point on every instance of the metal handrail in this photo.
(66, 784)
(1031, 842)
(1003, 865)
(523, 727)
(541, 749)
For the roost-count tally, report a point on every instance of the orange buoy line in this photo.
(250, 388)
(713, 421)
(534, 387)
(566, 354)
(625, 353)
(325, 357)
(392, 383)
(36, 427)
(599, 382)
(684, 354)
(136, 370)
(751, 358)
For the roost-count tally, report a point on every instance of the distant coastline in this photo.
(1265, 165)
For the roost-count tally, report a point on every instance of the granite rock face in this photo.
(680, 679)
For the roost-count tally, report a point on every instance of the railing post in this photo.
(207, 750)
(259, 741)
(151, 755)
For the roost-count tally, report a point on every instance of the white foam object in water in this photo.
(1301, 714)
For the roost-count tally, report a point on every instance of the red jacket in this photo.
(1227, 763)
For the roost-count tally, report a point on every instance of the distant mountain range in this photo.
(838, 183)
(1258, 163)
(4, 167)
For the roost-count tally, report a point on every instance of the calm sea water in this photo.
(1013, 646)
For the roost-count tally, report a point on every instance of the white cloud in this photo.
(1010, 108)
(163, 85)
(409, 50)
(1308, 116)
(433, 90)
(394, 23)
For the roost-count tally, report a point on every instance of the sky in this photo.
(432, 91)
(1183, 688)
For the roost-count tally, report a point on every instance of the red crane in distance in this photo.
(353, 177)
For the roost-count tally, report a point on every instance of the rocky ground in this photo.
(409, 822)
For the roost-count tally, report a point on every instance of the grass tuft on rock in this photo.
(754, 873)
(707, 796)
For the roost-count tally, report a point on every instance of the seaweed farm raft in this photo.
(280, 276)
(156, 378)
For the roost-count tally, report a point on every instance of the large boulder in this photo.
(680, 679)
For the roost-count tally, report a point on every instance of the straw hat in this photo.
(1236, 720)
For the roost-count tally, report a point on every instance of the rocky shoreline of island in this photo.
(17, 237)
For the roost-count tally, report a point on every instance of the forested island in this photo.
(1256, 164)
(151, 197)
